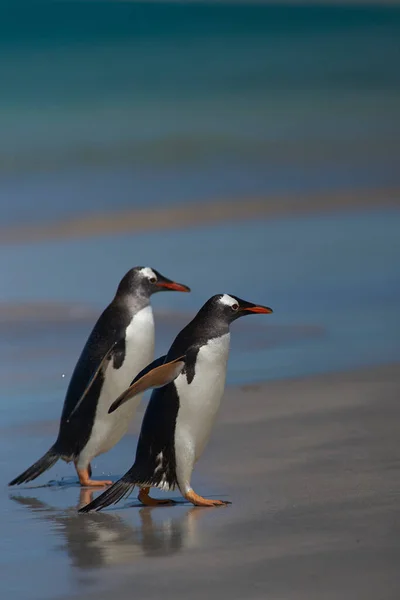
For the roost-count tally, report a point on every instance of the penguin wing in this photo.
(109, 355)
(156, 363)
(157, 374)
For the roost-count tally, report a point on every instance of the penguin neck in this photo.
(198, 332)
(208, 326)
(133, 303)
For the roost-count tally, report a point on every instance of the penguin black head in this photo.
(144, 281)
(229, 308)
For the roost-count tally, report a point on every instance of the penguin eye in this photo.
(153, 279)
(235, 306)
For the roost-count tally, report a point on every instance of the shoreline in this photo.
(202, 214)
(310, 466)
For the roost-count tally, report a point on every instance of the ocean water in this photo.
(111, 105)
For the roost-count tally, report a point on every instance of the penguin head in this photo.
(229, 308)
(145, 281)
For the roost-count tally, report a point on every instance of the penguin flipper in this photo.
(102, 365)
(156, 363)
(156, 377)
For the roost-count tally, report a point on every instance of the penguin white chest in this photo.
(139, 351)
(199, 400)
(108, 429)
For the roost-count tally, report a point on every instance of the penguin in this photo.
(189, 383)
(120, 345)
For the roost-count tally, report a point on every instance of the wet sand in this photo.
(203, 213)
(311, 466)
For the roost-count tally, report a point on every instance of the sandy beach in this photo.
(311, 467)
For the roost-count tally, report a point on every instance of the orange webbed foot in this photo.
(147, 500)
(200, 501)
(84, 479)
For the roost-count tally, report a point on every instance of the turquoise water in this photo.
(112, 105)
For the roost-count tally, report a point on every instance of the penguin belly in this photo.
(199, 402)
(107, 428)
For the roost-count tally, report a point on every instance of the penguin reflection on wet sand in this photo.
(189, 384)
(120, 345)
(105, 539)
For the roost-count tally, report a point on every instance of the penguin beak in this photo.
(255, 308)
(259, 309)
(167, 284)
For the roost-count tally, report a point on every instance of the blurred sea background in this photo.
(108, 105)
(119, 112)
(110, 108)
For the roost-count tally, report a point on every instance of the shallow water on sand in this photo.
(312, 476)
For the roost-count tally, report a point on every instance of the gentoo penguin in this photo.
(120, 345)
(189, 384)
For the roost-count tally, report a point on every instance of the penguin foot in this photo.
(84, 479)
(147, 500)
(94, 483)
(200, 501)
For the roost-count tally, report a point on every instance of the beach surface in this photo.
(311, 466)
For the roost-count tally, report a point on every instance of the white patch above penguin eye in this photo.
(149, 273)
(229, 301)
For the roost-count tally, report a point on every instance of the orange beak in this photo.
(171, 285)
(259, 309)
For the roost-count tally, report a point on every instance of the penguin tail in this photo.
(112, 495)
(40, 466)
